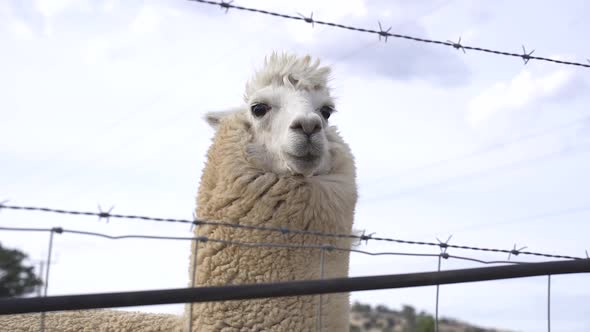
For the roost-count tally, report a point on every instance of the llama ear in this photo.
(214, 118)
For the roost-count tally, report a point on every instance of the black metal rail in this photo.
(292, 288)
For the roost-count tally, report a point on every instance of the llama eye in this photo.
(259, 110)
(326, 111)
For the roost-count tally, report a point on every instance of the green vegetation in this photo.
(365, 318)
(16, 278)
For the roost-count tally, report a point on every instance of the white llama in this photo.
(276, 162)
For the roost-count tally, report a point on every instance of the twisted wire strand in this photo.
(444, 255)
(525, 56)
(107, 215)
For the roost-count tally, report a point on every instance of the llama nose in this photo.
(307, 125)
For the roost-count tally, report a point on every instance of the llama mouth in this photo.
(307, 158)
(304, 164)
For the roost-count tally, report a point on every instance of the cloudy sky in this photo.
(103, 101)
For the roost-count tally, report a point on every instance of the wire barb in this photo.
(226, 5)
(3, 204)
(515, 251)
(57, 230)
(327, 247)
(526, 57)
(364, 237)
(444, 246)
(104, 214)
(457, 45)
(194, 223)
(383, 33)
(308, 19)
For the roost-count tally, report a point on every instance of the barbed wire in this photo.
(204, 239)
(526, 56)
(107, 215)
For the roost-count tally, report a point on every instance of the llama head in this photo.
(287, 106)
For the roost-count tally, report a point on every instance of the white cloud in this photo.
(110, 5)
(96, 50)
(145, 22)
(526, 92)
(51, 8)
(20, 30)
(142, 26)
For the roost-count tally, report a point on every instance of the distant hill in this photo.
(364, 318)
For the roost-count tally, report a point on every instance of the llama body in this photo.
(93, 321)
(247, 183)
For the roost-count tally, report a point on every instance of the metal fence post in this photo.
(46, 286)
(443, 246)
(437, 296)
(319, 323)
(549, 303)
(193, 282)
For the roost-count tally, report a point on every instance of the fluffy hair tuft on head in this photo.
(289, 70)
